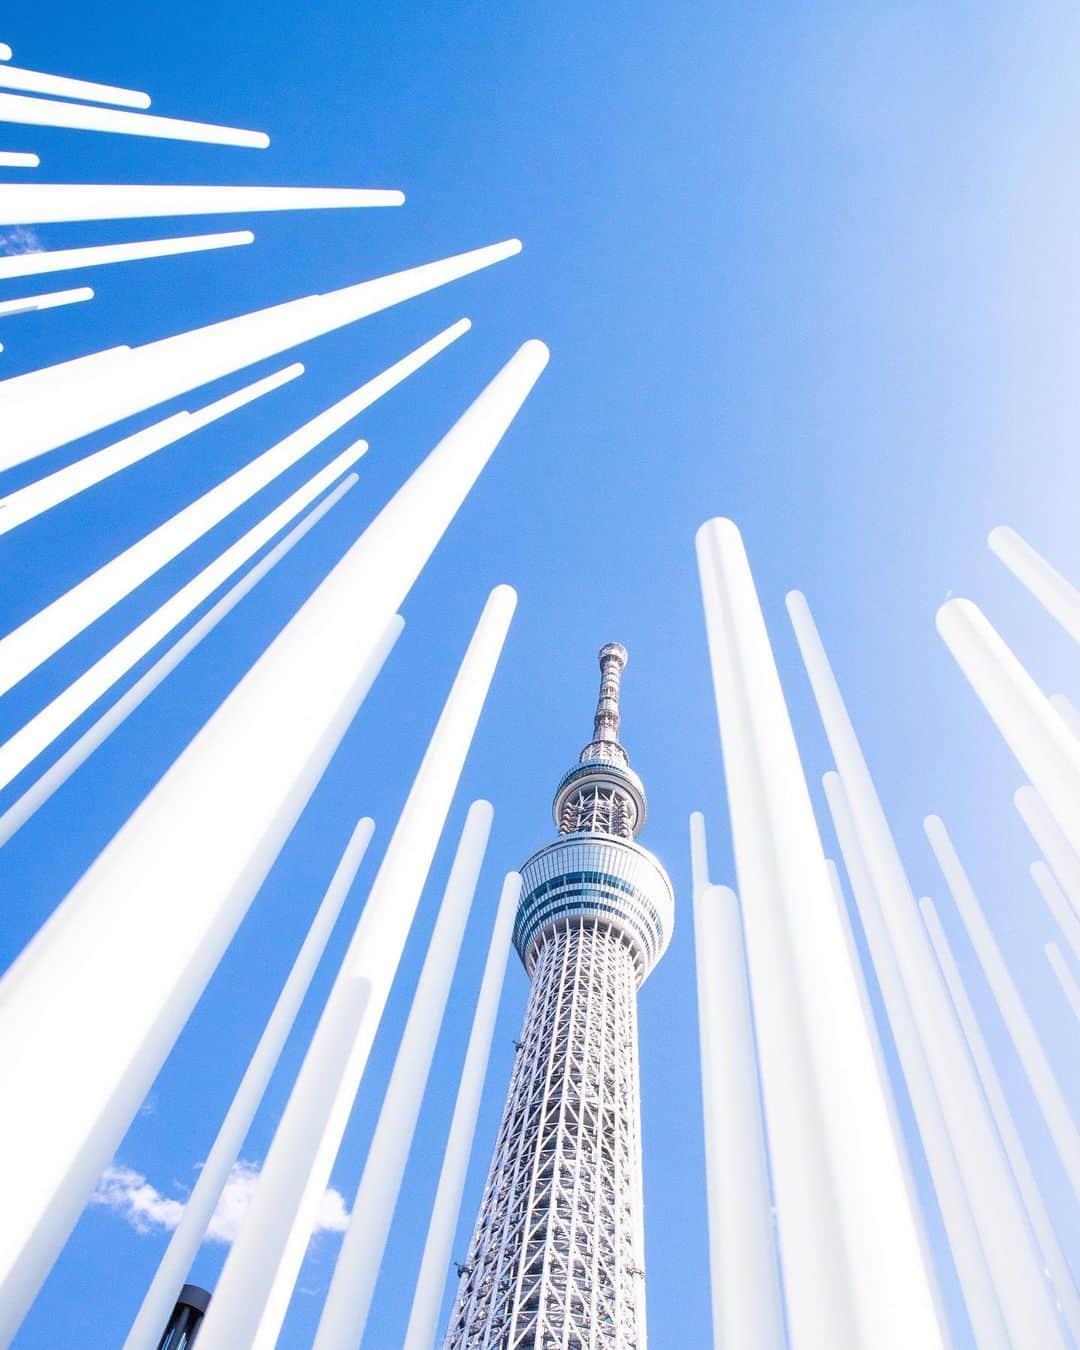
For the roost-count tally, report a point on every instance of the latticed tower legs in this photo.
(556, 1256)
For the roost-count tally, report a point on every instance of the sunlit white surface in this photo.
(24, 649)
(37, 82)
(976, 1282)
(26, 304)
(47, 112)
(97, 255)
(851, 1251)
(39, 792)
(43, 203)
(42, 729)
(747, 1309)
(348, 1300)
(46, 408)
(5, 52)
(1058, 596)
(26, 503)
(1056, 1262)
(253, 1292)
(172, 1272)
(1044, 746)
(18, 159)
(1053, 845)
(991, 1190)
(445, 1210)
(1067, 711)
(1025, 1038)
(1058, 905)
(1069, 986)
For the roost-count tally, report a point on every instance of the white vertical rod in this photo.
(50, 112)
(83, 997)
(1069, 987)
(184, 1244)
(1025, 1038)
(38, 82)
(442, 1226)
(1053, 844)
(976, 1282)
(854, 1271)
(252, 1295)
(1058, 597)
(991, 1191)
(30, 304)
(1067, 711)
(348, 1300)
(42, 261)
(1043, 745)
(1057, 904)
(1056, 1262)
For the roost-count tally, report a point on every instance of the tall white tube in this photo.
(252, 1295)
(1021, 1029)
(976, 1283)
(1056, 1262)
(48, 112)
(184, 1244)
(1056, 902)
(57, 774)
(1058, 597)
(35, 640)
(49, 407)
(442, 1225)
(348, 1301)
(1043, 745)
(1067, 711)
(854, 1269)
(83, 998)
(1053, 844)
(995, 1202)
(1069, 986)
(746, 1302)
(97, 255)
(28, 304)
(38, 82)
(18, 159)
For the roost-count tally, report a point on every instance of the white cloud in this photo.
(128, 1194)
(20, 239)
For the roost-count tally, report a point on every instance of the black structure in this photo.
(186, 1319)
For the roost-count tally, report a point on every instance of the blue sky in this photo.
(813, 267)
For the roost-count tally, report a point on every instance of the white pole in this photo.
(348, 1300)
(1054, 846)
(83, 998)
(37, 82)
(5, 52)
(991, 1191)
(1056, 1262)
(28, 304)
(184, 1244)
(36, 639)
(1057, 904)
(18, 159)
(1069, 987)
(49, 407)
(853, 1269)
(252, 1295)
(1058, 597)
(27, 502)
(48, 112)
(1043, 745)
(1067, 711)
(746, 1301)
(97, 255)
(976, 1283)
(442, 1226)
(57, 774)
(1021, 1029)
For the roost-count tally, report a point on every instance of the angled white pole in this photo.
(976, 1282)
(1067, 711)
(348, 1300)
(98, 255)
(28, 304)
(442, 1225)
(5, 52)
(1054, 846)
(1058, 596)
(1069, 986)
(27, 502)
(998, 1211)
(1057, 1264)
(1025, 1038)
(37, 82)
(1058, 905)
(1043, 745)
(57, 774)
(47, 112)
(21, 749)
(253, 1292)
(747, 1308)
(172, 1271)
(36, 639)
(853, 1268)
(99, 389)
(84, 997)
(18, 159)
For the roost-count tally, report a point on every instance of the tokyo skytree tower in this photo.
(556, 1259)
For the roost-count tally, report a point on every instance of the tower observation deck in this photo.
(556, 1260)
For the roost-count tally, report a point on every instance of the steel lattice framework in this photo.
(556, 1259)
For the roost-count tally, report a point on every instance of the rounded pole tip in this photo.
(504, 595)
(722, 527)
(536, 350)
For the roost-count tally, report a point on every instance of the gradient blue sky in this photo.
(810, 266)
